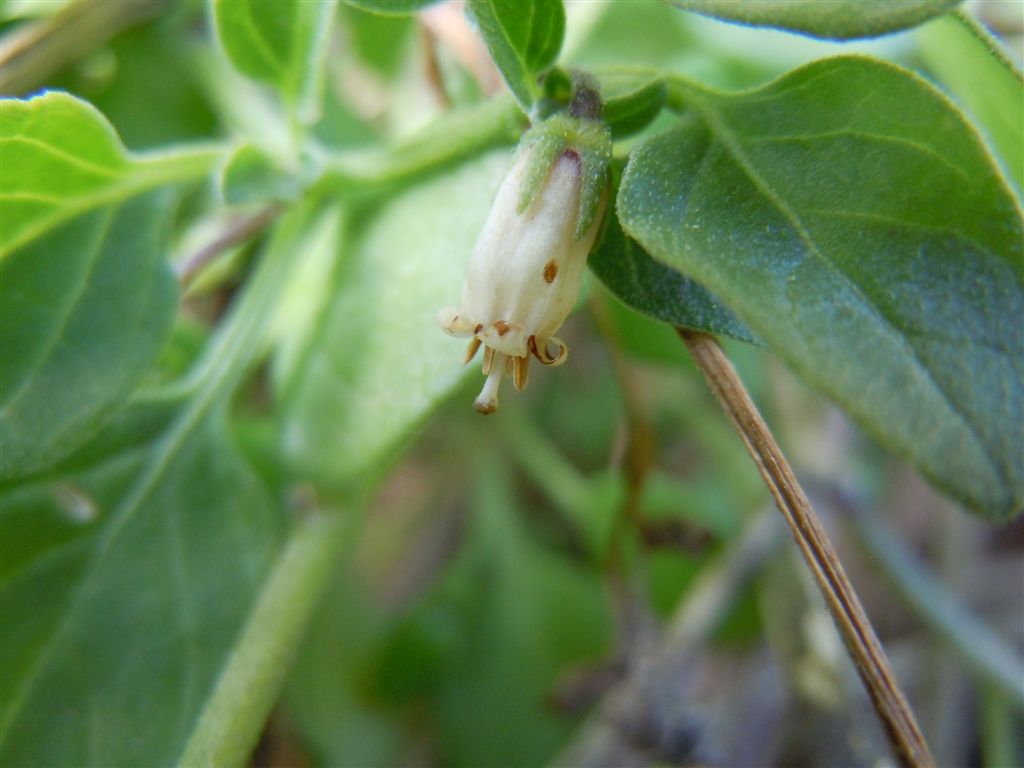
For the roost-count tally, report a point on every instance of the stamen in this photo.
(521, 373)
(474, 345)
(487, 401)
(488, 359)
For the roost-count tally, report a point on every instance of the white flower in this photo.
(525, 273)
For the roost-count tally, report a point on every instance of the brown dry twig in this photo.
(859, 636)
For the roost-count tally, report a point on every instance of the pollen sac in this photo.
(527, 265)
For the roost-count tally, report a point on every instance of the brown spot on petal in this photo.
(479, 327)
(502, 327)
(550, 271)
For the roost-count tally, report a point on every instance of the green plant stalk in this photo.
(496, 123)
(231, 722)
(987, 656)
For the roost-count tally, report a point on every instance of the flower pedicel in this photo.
(527, 265)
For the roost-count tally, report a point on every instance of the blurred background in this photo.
(595, 575)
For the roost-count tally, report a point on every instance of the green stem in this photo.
(988, 657)
(452, 139)
(231, 722)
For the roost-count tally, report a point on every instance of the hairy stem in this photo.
(248, 686)
(859, 636)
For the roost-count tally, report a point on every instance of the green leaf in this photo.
(631, 100)
(87, 309)
(87, 295)
(835, 19)
(658, 291)
(379, 362)
(125, 582)
(283, 44)
(378, 40)
(145, 575)
(980, 75)
(524, 39)
(853, 220)
(390, 7)
(61, 159)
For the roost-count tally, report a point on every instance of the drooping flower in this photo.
(527, 265)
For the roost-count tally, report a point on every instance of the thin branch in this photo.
(236, 233)
(861, 642)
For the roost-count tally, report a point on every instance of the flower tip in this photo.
(485, 406)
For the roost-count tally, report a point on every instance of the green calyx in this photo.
(547, 141)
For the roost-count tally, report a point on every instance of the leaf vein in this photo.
(724, 134)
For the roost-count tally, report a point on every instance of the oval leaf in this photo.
(87, 297)
(835, 19)
(61, 158)
(853, 220)
(281, 44)
(524, 39)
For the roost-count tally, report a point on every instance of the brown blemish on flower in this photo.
(479, 327)
(550, 271)
(502, 327)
